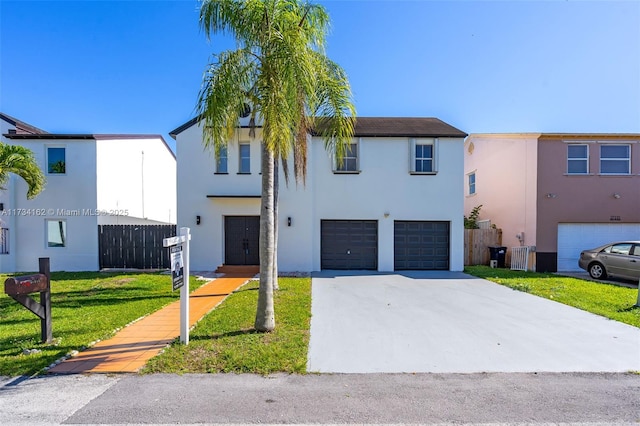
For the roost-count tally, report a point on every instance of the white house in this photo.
(91, 180)
(396, 203)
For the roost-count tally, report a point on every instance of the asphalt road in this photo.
(494, 398)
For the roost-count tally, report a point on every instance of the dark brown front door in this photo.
(241, 236)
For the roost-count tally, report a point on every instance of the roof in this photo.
(405, 126)
(175, 132)
(86, 136)
(553, 136)
(383, 126)
(21, 126)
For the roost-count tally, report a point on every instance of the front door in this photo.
(241, 236)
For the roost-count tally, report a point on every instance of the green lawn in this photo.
(611, 301)
(224, 341)
(90, 306)
(85, 307)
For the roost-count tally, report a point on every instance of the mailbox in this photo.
(26, 284)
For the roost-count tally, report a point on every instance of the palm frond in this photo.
(21, 161)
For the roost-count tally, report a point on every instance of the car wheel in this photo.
(597, 271)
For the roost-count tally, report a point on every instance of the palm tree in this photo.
(20, 161)
(281, 70)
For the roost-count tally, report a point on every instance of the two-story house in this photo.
(557, 192)
(394, 203)
(92, 180)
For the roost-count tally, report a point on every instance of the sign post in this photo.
(179, 247)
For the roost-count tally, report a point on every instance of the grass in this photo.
(608, 300)
(85, 307)
(225, 341)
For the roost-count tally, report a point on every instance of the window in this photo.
(56, 233)
(349, 161)
(577, 159)
(615, 159)
(56, 163)
(245, 158)
(624, 248)
(423, 156)
(221, 160)
(472, 183)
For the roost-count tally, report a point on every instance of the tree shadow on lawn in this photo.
(218, 336)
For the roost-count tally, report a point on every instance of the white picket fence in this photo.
(520, 258)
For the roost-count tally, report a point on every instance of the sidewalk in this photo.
(130, 349)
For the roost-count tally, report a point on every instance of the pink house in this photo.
(558, 193)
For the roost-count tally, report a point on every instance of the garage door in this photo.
(575, 237)
(421, 245)
(349, 244)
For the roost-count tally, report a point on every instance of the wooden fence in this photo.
(134, 246)
(476, 243)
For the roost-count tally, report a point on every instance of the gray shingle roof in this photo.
(405, 126)
(384, 127)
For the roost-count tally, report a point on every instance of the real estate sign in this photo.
(179, 252)
(177, 267)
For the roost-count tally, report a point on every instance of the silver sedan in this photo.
(621, 259)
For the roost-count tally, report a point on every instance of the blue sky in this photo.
(482, 66)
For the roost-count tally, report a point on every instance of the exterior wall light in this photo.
(289, 221)
(198, 220)
(616, 195)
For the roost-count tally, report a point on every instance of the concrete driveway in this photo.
(448, 322)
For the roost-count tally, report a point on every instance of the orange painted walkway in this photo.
(130, 349)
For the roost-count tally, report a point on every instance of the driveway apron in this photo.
(450, 322)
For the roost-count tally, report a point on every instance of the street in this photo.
(496, 398)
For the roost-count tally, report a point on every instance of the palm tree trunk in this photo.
(276, 191)
(265, 315)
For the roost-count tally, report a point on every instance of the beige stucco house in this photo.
(558, 193)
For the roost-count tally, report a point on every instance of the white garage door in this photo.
(575, 237)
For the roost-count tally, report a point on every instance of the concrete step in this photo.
(238, 269)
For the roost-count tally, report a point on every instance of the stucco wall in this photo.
(136, 177)
(383, 186)
(65, 197)
(583, 198)
(505, 167)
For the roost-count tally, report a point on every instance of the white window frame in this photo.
(65, 237)
(222, 159)
(469, 185)
(413, 143)
(627, 159)
(47, 147)
(240, 158)
(341, 169)
(585, 159)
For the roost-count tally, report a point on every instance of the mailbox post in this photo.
(19, 288)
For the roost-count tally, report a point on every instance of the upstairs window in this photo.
(349, 162)
(245, 159)
(472, 183)
(56, 160)
(221, 160)
(577, 159)
(615, 159)
(423, 160)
